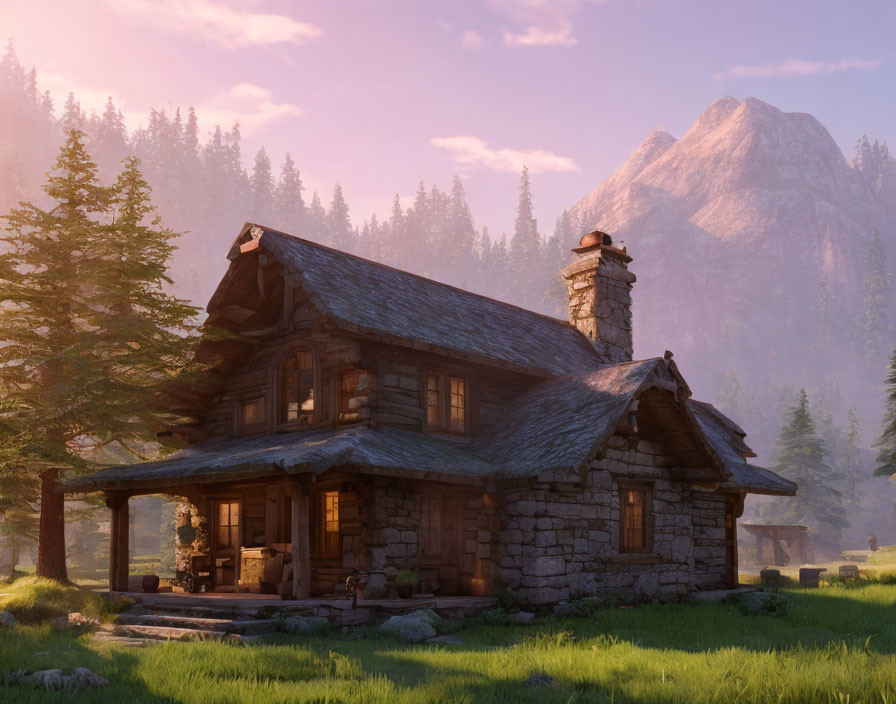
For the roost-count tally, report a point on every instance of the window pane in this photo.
(434, 401)
(458, 405)
(329, 517)
(252, 412)
(297, 388)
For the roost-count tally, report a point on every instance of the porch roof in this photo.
(557, 425)
(386, 450)
(727, 439)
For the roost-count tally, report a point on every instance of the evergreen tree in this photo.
(853, 471)
(874, 324)
(458, 238)
(526, 250)
(72, 117)
(340, 225)
(318, 223)
(90, 334)
(261, 185)
(886, 443)
(110, 145)
(289, 206)
(801, 456)
(556, 258)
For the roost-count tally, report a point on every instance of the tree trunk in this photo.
(14, 557)
(51, 539)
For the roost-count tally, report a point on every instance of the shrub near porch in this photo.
(835, 644)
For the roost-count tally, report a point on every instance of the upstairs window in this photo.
(297, 388)
(446, 402)
(635, 506)
(252, 415)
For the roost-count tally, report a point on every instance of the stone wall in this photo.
(393, 522)
(560, 540)
(599, 287)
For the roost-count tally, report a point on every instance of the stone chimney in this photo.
(600, 296)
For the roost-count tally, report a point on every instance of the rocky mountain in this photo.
(751, 237)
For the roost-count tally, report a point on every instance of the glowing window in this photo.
(634, 507)
(329, 514)
(457, 407)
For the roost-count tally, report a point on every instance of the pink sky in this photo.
(381, 94)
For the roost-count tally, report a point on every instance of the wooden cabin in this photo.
(361, 419)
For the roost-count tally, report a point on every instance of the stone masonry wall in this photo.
(600, 301)
(560, 540)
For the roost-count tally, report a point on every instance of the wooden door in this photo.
(226, 544)
(440, 539)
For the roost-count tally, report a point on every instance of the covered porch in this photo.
(292, 517)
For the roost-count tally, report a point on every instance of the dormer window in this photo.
(297, 378)
(446, 402)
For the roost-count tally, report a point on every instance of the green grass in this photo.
(33, 600)
(836, 644)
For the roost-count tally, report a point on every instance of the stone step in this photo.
(167, 633)
(193, 611)
(241, 626)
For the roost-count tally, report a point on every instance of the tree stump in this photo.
(849, 572)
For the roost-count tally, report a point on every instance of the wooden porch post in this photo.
(301, 541)
(118, 542)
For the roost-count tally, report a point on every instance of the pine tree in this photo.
(340, 225)
(318, 224)
(526, 250)
(110, 145)
(261, 185)
(886, 443)
(456, 249)
(556, 257)
(289, 207)
(72, 117)
(91, 336)
(853, 469)
(801, 456)
(874, 324)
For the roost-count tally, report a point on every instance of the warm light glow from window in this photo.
(331, 522)
(633, 517)
(458, 405)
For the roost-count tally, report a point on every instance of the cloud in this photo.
(216, 23)
(471, 39)
(250, 105)
(537, 36)
(798, 67)
(476, 153)
(540, 23)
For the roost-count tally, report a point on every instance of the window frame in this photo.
(647, 518)
(445, 377)
(277, 386)
(252, 428)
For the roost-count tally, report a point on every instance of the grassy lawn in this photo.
(836, 644)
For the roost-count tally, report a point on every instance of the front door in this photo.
(440, 540)
(226, 545)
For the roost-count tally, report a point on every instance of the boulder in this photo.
(521, 617)
(538, 681)
(414, 627)
(762, 602)
(7, 620)
(305, 624)
(81, 678)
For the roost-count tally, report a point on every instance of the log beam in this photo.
(118, 546)
(301, 540)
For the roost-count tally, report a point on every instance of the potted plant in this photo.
(406, 583)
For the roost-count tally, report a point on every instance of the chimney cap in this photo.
(597, 237)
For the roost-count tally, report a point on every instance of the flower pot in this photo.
(405, 590)
(150, 583)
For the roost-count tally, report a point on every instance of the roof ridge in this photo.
(550, 318)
